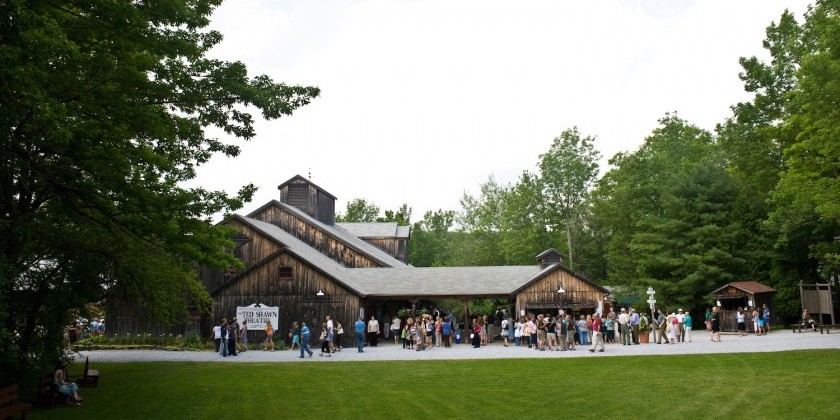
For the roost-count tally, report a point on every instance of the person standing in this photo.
(269, 336)
(681, 322)
(446, 330)
(395, 328)
(232, 330)
(338, 343)
(597, 336)
(765, 314)
(217, 336)
(223, 347)
(504, 328)
(634, 325)
(373, 330)
(688, 326)
(582, 330)
(476, 334)
(660, 326)
(741, 319)
(359, 327)
(304, 340)
(708, 319)
(624, 324)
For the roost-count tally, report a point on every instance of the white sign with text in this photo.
(257, 314)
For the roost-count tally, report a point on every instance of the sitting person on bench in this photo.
(69, 389)
(808, 322)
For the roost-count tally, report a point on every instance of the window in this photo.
(285, 273)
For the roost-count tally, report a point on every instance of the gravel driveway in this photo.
(781, 340)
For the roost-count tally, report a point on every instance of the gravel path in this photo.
(781, 340)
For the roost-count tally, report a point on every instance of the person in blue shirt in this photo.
(304, 340)
(360, 334)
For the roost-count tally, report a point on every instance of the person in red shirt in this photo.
(597, 337)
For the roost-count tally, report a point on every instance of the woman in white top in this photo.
(517, 333)
(505, 331)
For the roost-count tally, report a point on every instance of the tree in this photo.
(667, 210)
(430, 241)
(568, 171)
(103, 112)
(402, 216)
(359, 210)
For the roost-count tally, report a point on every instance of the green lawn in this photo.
(802, 385)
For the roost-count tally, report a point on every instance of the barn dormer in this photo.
(309, 198)
(550, 257)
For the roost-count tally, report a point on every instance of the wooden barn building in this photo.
(298, 259)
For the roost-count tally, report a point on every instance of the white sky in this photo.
(424, 100)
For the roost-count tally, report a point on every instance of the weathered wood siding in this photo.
(297, 298)
(130, 316)
(315, 238)
(579, 293)
(395, 247)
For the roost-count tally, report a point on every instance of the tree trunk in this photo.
(569, 244)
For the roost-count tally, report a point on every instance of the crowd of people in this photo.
(562, 332)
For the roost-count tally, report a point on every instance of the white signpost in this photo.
(257, 314)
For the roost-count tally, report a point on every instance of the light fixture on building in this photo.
(561, 289)
(320, 292)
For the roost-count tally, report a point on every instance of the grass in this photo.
(800, 384)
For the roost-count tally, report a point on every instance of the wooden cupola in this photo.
(549, 257)
(309, 198)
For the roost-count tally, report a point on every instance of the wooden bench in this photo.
(797, 328)
(827, 328)
(9, 405)
(90, 378)
(48, 394)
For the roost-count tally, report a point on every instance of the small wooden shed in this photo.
(741, 294)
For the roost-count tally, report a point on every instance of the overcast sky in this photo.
(422, 101)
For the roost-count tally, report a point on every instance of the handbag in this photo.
(323, 335)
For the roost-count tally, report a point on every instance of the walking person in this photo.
(359, 327)
(269, 336)
(243, 335)
(304, 340)
(326, 337)
(715, 321)
(660, 327)
(294, 333)
(597, 335)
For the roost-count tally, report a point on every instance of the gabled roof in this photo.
(751, 287)
(442, 281)
(300, 178)
(553, 267)
(549, 251)
(375, 229)
(338, 234)
(310, 255)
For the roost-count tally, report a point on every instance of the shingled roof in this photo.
(751, 287)
(339, 234)
(375, 229)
